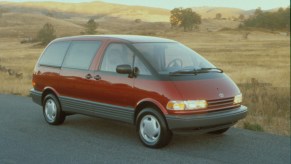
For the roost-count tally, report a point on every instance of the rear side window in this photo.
(54, 54)
(81, 54)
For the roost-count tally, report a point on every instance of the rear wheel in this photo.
(220, 131)
(52, 110)
(152, 129)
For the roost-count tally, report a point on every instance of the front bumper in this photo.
(206, 120)
(36, 96)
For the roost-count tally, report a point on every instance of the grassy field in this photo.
(260, 65)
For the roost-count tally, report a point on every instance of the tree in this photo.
(190, 19)
(280, 9)
(91, 26)
(218, 16)
(241, 17)
(176, 17)
(185, 18)
(278, 20)
(46, 34)
(258, 12)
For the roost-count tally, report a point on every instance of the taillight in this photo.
(33, 83)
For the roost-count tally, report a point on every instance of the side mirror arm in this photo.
(133, 73)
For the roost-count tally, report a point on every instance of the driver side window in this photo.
(116, 54)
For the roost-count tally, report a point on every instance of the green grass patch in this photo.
(254, 127)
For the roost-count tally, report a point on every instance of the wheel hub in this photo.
(50, 110)
(150, 128)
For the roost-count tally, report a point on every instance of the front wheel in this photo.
(52, 110)
(152, 129)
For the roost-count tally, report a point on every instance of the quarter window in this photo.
(142, 69)
(54, 54)
(81, 54)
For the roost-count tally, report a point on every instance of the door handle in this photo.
(88, 76)
(97, 77)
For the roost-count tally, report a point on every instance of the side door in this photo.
(77, 77)
(114, 88)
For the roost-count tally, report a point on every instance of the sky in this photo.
(170, 4)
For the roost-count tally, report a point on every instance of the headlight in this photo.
(237, 99)
(187, 105)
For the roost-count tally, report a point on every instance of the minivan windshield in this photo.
(172, 58)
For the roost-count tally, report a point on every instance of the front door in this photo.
(113, 88)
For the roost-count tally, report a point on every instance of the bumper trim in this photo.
(211, 119)
(36, 96)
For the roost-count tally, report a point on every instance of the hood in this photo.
(205, 86)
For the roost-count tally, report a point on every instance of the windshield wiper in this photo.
(195, 71)
(208, 69)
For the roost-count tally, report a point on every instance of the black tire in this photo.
(52, 111)
(220, 131)
(149, 120)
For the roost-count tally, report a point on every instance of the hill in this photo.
(210, 12)
(26, 25)
(93, 9)
(103, 9)
(24, 19)
(99, 9)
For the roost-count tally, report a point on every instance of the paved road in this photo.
(26, 138)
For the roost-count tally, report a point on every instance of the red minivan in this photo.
(157, 84)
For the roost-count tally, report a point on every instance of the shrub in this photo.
(137, 20)
(91, 27)
(46, 34)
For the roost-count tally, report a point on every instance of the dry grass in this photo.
(269, 107)
(21, 59)
(264, 57)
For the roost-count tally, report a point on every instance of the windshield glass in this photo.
(171, 57)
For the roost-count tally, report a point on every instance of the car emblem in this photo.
(221, 95)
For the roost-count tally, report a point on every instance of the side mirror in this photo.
(124, 69)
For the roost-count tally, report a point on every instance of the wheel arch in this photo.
(49, 90)
(149, 103)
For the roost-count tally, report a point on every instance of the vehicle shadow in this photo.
(100, 127)
(234, 146)
(127, 132)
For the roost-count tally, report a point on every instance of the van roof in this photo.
(127, 38)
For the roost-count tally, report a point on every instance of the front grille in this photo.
(219, 104)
